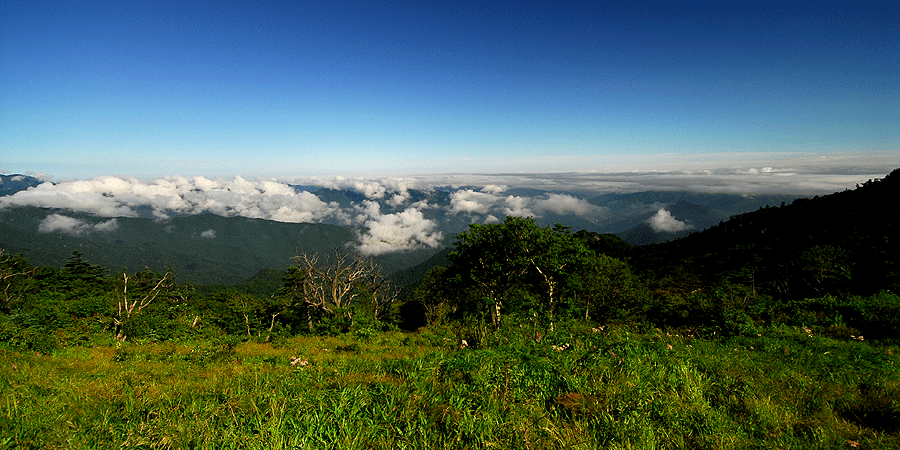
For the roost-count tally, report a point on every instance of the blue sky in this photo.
(283, 89)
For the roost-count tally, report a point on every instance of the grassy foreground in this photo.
(583, 388)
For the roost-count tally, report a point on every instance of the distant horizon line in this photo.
(744, 180)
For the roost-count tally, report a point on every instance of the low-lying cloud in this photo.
(398, 214)
(125, 197)
(663, 221)
(392, 232)
(472, 202)
(488, 202)
(378, 232)
(58, 223)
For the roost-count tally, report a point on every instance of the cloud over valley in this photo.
(396, 214)
(58, 223)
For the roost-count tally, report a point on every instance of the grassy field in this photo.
(576, 388)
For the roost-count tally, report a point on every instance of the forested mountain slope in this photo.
(203, 248)
(846, 242)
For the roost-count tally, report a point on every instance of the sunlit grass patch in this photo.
(615, 389)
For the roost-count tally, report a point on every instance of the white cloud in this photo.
(398, 199)
(517, 206)
(73, 196)
(107, 226)
(416, 217)
(565, 204)
(469, 201)
(494, 189)
(40, 176)
(386, 233)
(208, 234)
(122, 197)
(58, 223)
(664, 221)
(473, 202)
(373, 190)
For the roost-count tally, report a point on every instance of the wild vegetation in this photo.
(777, 328)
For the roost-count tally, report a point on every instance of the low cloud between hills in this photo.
(663, 221)
(391, 214)
(385, 218)
(58, 223)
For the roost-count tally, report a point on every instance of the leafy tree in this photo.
(605, 285)
(825, 266)
(487, 260)
(378, 294)
(553, 255)
(504, 260)
(80, 277)
(434, 293)
(606, 243)
(295, 290)
(257, 315)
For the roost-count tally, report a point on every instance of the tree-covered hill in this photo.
(203, 248)
(10, 184)
(702, 210)
(846, 242)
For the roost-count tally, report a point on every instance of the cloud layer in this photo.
(397, 214)
(488, 201)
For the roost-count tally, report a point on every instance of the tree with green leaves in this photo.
(604, 285)
(501, 260)
(553, 255)
(435, 293)
(79, 277)
(487, 262)
(825, 266)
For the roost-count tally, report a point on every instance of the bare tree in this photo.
(12, 268)
(332, 283)
(382, 294)
(130, 307)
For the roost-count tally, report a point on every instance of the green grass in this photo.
(607, 389)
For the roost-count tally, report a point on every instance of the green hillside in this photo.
(846, 242)
(204, 248)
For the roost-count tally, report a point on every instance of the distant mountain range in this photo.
(213, 249)
(10, 184)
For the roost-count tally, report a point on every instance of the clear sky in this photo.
(309, 88)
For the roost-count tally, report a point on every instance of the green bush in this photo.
(876, 316)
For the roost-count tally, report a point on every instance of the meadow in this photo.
(576, 387)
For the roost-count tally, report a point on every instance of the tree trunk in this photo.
(271, 326)
(495, 314)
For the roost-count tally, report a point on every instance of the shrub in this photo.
(876, 316)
